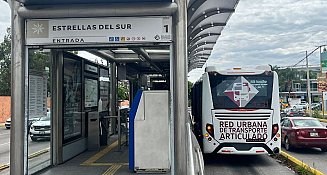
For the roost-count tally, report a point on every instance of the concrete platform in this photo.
(108, 161)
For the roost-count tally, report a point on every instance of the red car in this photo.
(303, 132)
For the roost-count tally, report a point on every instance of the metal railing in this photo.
(195, 163)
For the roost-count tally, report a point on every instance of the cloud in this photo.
(4, 18)
(276, 32)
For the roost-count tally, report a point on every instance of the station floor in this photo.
(108, 161)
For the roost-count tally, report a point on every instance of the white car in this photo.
(41, 129)
(302, 105)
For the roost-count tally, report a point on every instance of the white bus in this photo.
(237, 111)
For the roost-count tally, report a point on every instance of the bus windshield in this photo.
(241, 91)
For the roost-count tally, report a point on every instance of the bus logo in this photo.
(241, 92)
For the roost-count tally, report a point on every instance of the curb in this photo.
(300, 163)
(5, 166)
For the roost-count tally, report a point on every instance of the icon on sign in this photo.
(111, 39)
(143, 38)
(157, 37)
(133, 38)
(128, 38)
(123, 39)
(116, 38)
(138, 38)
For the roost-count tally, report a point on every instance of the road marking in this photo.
(112, 170)
(100, 154)
(4, 143)
(4, 166)
(108, 164)
(38, 153)
(300, 163)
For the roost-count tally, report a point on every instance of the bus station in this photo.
(150, 45)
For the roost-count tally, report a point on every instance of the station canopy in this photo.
(206, 20)
(56, 2)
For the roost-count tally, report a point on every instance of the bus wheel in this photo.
(288, 146)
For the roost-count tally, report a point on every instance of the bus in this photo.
(237, 111)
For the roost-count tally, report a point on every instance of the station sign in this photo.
(98, 30)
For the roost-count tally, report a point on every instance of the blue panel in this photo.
(132, 114)
(56, 2)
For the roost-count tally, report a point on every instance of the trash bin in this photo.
(93, 131)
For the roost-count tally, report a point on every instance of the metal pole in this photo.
(180, 87)
(322, 93)
(18, 149)
(308, 82)
(119, 130)
(113, 99)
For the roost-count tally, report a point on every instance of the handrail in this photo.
(190, 150)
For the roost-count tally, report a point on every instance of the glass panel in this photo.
(236, 91)
(72, 93)
(104, 89)
(39, 111)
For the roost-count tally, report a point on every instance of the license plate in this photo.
(41, 132)
(313, 134)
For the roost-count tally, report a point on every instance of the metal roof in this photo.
(206, 20)
(56, 2)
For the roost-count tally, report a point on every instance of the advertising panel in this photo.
(322, 82)
(98, 30)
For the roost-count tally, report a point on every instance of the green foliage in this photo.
(123, 91)
(303, 170)
(5, 65)
(289, 75)
(316, 114)
(37, 62)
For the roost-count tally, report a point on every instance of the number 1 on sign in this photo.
(166, 28)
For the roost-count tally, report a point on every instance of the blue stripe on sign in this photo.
(132, 114)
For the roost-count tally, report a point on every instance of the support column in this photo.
(180, 87)
(56, 111)
(18, 145)
(113, 95)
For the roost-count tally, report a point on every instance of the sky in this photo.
(260, 32)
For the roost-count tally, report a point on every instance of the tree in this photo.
(37, 62)
(123, 91)
(5, 65)
(288, 76)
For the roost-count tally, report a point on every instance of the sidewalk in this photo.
(2, 124)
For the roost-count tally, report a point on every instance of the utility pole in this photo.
(308, 83)
(322, 93)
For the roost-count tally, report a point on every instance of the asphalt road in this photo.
(244, 165)
(33, 147)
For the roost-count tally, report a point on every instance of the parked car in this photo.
(295, 113)
(8, 123)
(302, 105)
(30, 122)
(300, 132)
(41, 129)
